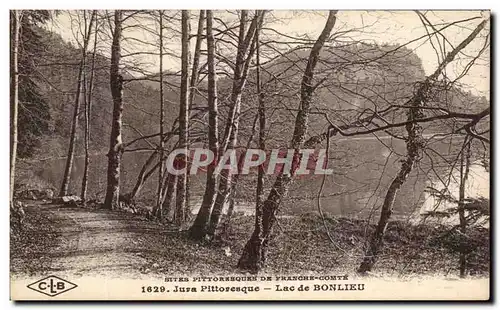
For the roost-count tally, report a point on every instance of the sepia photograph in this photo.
(187, 155)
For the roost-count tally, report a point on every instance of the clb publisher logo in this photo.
(52, 286)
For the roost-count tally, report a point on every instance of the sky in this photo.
(393, 27)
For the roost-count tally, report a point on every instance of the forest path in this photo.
(92, 242)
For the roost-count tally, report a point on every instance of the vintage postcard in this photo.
(250, 155)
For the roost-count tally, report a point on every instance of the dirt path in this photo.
(96, 242)
(111, 255)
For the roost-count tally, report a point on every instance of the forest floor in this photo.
(81, 241)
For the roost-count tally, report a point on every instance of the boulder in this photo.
(71, 199)
(35, 194)
(48, 193)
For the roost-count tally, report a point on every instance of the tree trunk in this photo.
(217, 231)
(225, 184)
(254, 254)
(169, 188)
(232, 124)
(76, 112)
(464, 175)
(193, 84)
(252, 258)
(246, 44)
(199, 226)
(144, 174)
(115, 143)
(196, 58)
(15, 21)
(162, 119)
(230, 210)
(377, 238)
(183, 118)
(413, 146)
(237, 77)
(262, 135)
(72, 139)
(87, 110)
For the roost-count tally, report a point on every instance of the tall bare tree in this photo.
(152, 163)
(162, 120)
(259, 192)
(261, 118)
(197, 230)
(414, 144)
(254, 254)
(261, 112)
(192, 93)
(183, 117)
(76, 110)
(115, 153)
(246, 49)
(14, 94)
(87, 112)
